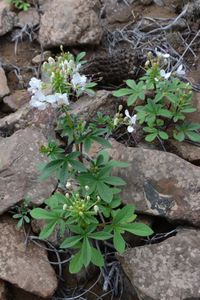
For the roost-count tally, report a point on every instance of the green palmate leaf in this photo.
(118, 241)
(123, 214)
(180, 136)
(122, 92)
(76, 263)
(97, 258)
(188, 110)
(131, 99)
(48, 230)
(100, 235)
(42, 214)
(163, 135)
(151, 137)
(104, 192)
(80, 56)
(112, 180)
(193, 136)
(86, 252)
(78, 166)
(70, 241)
(20, 223)
(138, 229)
(118, 164)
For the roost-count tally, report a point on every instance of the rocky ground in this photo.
(164, 185)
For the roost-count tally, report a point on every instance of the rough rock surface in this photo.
(6, 18)
(29, 17)
(29, 117)
(186, 151)
(4, 90)
(78, 23)
(16, 100)
(168, 270)
(103, 102)
(25, 267)
(159, 183)
(18, 174)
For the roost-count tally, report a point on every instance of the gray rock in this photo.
(19, 157)
(146, 2)
(77, 24)
(40, 58)
(14, 101)
(6, 18)
(166, 271)
(24, 266)
(29, 17)
(4, 90)
(159, 183)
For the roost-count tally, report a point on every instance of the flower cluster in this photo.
(40, 101)
(128, 120)
(64, 82)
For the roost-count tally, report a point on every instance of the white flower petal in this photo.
(180, 70)
(130, 129)
(127, 113)
(133, 119)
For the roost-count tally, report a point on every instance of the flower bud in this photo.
(51, 60)
(96, 209)
(77, 195)
(88, 198)
(68, 185)
(65, 206)
(120, 107)
(87, 188)
(67, 195)
(116, 121)
(98, 198)
(80, 213)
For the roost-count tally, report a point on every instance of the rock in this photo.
(3, 291)
(26, 267)
(19, 157)
(19, 294)
(158, 183)
(4, 90)
(166, 271)
(6, 18)
(29, 17)
(40, 58)
(146, 2)
(29, 117)
(185, 150)
(77, 24)
(103, 102)
(14, 101)
(114, 11)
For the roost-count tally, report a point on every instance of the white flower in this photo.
(164, 74)
(62, 99)
(51, 60)
(160, 54)
(78, 80)
(96, 209)
(180, 71)
(131, 120)
(35, 85)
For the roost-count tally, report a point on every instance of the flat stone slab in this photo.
(166, 271)
(19, 157)
(26, 267)
(159, 183)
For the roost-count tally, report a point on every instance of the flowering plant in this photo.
(89, 209)
(161, 101)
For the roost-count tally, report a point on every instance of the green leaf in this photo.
(100, 235)
(70, 241)
(122, 92)
(123, 214)
(104, 192)
(76, 263)
(42, 214)
(118, 242)
(113, 180)
(180, 136)
(48, 230)
(78, 166)
(102, 142)
(86, 252)
(163, 135)
(131, 99)
(193, 136)
(138, 229)
(97, 258)
(151, 137)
